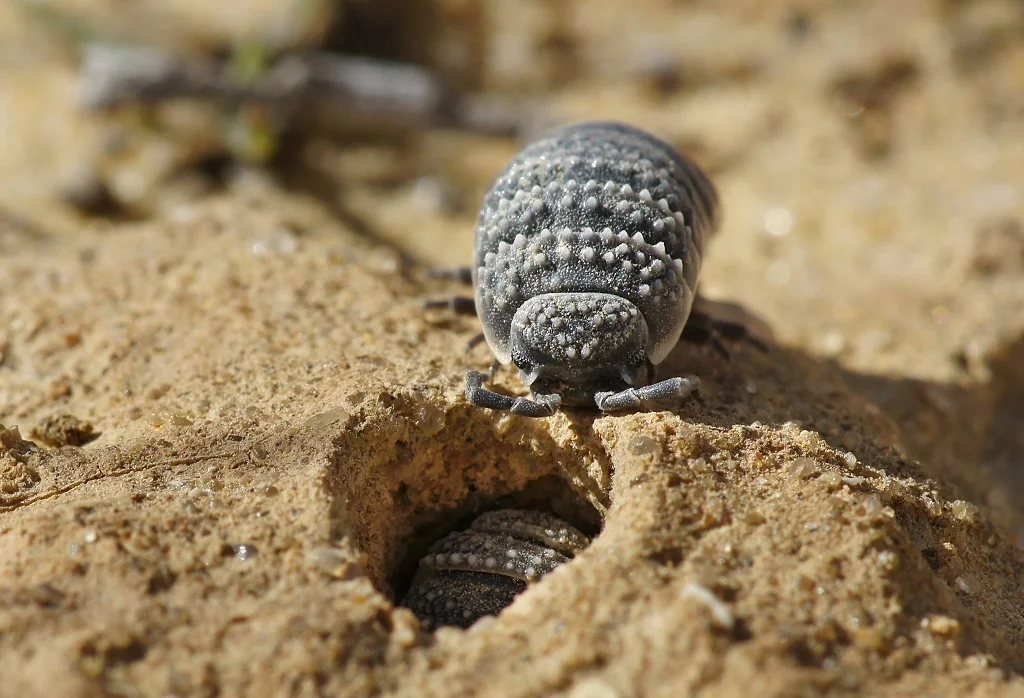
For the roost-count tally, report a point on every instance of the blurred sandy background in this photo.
(278, 417)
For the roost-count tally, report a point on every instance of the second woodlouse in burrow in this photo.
(476, 572)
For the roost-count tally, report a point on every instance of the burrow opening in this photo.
(547, 503)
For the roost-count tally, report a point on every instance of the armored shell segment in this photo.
(474, 573)
(589, 222)
(460, 598)
(535, 526)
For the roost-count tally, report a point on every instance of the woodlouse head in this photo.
(576, 344)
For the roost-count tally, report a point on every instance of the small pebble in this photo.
(832, 480)
(803, 468)
(721, 616)
(931, 506)
(645, 446)
(430, 418)
(699, 465)
(337, 414)
(944, 626)
(964, 511)
(810, 439)
(334, 562)
(965, 584)
(873, 505)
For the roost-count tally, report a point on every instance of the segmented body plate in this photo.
(594, 208)
(473, 573)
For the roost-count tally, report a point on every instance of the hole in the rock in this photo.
(472, 562)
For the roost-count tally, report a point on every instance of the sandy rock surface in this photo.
(235, 425)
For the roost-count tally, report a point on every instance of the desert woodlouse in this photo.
(588, 251)
(477, 572)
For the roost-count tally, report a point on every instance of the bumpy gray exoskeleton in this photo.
(588, 249)
(477, 572)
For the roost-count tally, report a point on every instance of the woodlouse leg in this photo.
(461, 305)
(474, 341)
(464, 275)
(696, 332)
(672, 388)
(539, 406)
(702, 328)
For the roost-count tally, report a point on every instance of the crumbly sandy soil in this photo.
(280, 423)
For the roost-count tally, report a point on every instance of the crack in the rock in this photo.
(56, 492)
